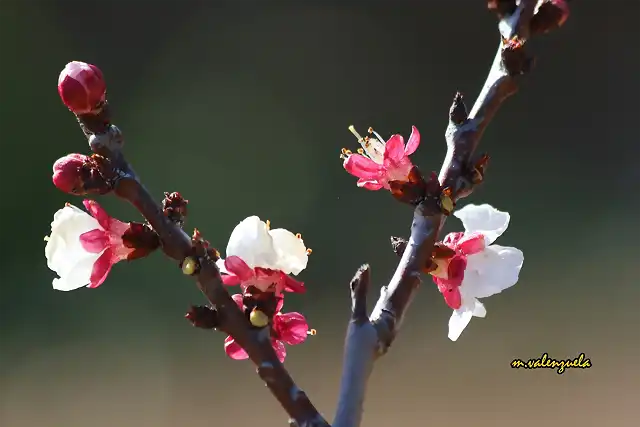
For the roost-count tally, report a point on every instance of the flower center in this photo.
(372, 147)
(442, 268)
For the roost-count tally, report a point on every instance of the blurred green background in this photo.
(243, 107)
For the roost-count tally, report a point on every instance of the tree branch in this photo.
(462, 135)
(106, 140)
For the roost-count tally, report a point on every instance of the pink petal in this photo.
(230, 279)
(394, 149)
(101, 269)
(363, 167)
(292, 285)
(237, 266)
(456, 268)
(450, 292)
(94, 241)
(238, 299)
(370, 185)
(451, 240)
(291, 327)
(98, 213)
(471, 243)
(413, 143)
(280, 350)
(280, 304)
(234, 350)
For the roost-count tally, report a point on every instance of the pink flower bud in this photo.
(67, 172)
(81, 87)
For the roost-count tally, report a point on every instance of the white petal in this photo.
(221, 267)
(483, 219)
(459, 320)
(491, 271)
(77, 276)
(251, 241)
(64, 252)
(461, 317)
(292, 253)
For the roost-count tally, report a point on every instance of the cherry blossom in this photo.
(82, 248)
(379, 162)
(286, 328)
(264, 258)
(479, 269)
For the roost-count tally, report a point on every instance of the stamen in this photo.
(360, 151)
(352, 129)
(312, 332)
(46, 238)
(370, 130)
(67, 205)
(346, 152)
(298, 236)
(268, 224)
(309, 251)
(217, 252)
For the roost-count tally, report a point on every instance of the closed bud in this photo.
(67, 173)
(81, 87)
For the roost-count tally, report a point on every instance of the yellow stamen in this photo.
(217, 252)
(268, 224)
(360, 151)
(309, 251)
(370, 130)
(46, 238)
(298, 236)
(352, 129)
(312, 332)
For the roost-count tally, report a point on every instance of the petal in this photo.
(370, 185)
(251, 241)
(471, 243)
(234, 350)
(292, 285)
(239, 300)
(237, 267)
(451, 296)
(458, 321)
(484, 219)
(291, 327)
(394, 149)
(101, 269)
(63, 247)
(220, 265)
(292, 253)
(456, 269)
(362, 167)
(76, 276)
(413, 142)
(97, 212)
(492, 271)
(279, 348)
(451, 240)
(94, 241)
(230, 279)
(279, 304)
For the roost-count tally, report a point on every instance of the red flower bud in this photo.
(81, 87)
(67, 172)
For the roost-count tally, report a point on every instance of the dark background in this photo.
(243, 107)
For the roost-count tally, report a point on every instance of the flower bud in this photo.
(258, 318)
(81, 87)
(67, 172)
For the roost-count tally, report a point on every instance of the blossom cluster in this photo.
(83, 246)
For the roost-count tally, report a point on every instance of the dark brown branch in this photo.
(106, 140)
(459, 173)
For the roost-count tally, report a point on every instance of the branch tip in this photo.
(359, 289)
(458, 113)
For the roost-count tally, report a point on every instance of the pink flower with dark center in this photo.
(82, 248)
(379, 162)
(261, 257)
(81, 87)
(479, 269)
(285, 328)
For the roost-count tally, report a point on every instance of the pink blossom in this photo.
(286, 328)
(378, 162)
(261, 257)
(82, 248)
(479, 269)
